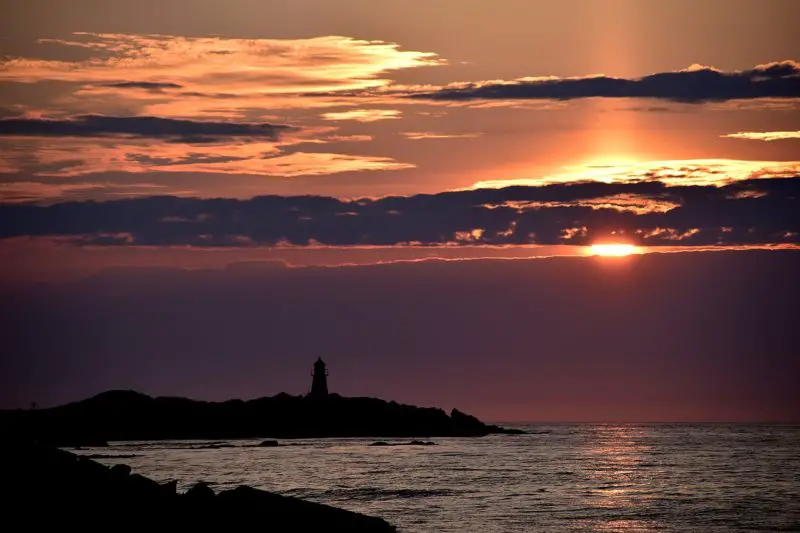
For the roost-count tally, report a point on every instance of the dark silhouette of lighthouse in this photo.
(319, 381)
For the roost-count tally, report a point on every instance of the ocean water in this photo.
(566, 477)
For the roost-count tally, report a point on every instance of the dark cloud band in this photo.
(748, 212)
(139, 127)
(702, 84)
(149, 85)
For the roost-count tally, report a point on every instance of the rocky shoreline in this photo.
(49, 486)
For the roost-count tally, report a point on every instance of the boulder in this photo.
(200, 491)
(170, 487)
(143, 487)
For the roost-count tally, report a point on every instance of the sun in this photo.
(612, 249)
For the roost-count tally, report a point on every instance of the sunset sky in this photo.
(159, 157)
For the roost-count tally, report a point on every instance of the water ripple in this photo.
(712, 478)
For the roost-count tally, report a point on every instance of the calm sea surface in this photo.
(582, 477)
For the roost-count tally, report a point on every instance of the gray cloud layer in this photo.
(774, 80)
(138, 127)
(749, 212)
(150, 85)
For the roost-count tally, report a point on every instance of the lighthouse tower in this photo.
(319, 381)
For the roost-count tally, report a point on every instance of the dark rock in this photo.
(170, 487)
(144, 486)
(468, 423)
(120, 470)
(95, 468)
(57, 481)
(295, 514)
(269, 444)
(508, 431)
(200, 491)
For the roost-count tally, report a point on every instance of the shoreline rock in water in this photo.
(52, 486)
(129, 415)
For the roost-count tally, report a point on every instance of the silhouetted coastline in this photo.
(130, 415)
(49, 486)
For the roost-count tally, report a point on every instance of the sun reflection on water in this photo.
(616, 479)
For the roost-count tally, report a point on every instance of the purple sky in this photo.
(427, 182)
(676, 336)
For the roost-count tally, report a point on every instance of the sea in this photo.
(555, 478)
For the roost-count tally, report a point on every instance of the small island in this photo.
(129, 415)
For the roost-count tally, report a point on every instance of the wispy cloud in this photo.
(221, 65)
(363, 115)
(764, 135)
(423, 135)
(77, 146)
(172, 75)
(639, 204)
(74, 158)
(36, 192)
(715, 172)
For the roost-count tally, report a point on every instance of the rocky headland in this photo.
(129, 415)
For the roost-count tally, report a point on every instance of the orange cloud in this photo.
(422, 135)
(669, 234)
(223, 65)
(638, 204)
(76, 157)
(198, 73)
(93, 144)
(570, 233)
(764, 135)
(715, 172)
(363, 115)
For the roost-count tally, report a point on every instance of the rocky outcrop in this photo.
(128, 415)
(48, 486)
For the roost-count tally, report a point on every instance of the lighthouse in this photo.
(319, 380)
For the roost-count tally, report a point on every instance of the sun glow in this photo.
(612, 250)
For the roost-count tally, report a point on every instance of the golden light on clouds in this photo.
(191, 76)
(423, 135)
(363, 115)
(714, 172)
(114, 155)
(764, 135)
(223, 65)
